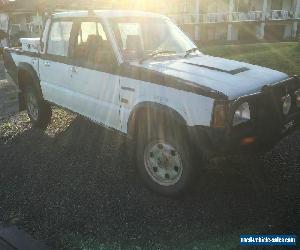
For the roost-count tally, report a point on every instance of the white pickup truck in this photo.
(139, 74)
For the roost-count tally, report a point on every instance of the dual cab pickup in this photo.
(139, 74)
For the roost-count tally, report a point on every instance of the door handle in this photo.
(47, 64)
(33, 60)
(74, 69)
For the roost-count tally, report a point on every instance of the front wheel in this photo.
(165, 159)
(38, 110)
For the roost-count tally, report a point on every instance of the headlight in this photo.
(297, 93)
(242, 114)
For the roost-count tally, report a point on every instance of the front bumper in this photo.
(217, 142)
(267, 126)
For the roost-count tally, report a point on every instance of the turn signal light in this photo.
(220, 114)
(248, 141)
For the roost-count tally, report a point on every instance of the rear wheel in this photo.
(38, 110)
(164, 157)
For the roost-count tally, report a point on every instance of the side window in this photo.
(92, 46)
(90, 28)
(86, 29)
(59, 38)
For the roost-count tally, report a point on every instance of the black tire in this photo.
(42, 117)
(165, 131)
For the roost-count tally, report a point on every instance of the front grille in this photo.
(286, 88)
(267, 108)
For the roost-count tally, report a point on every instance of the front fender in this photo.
(129, 121)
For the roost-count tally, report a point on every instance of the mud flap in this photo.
(10, 65)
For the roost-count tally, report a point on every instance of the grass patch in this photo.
(283, 57)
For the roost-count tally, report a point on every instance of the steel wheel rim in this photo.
(32, 106)
(163, 163)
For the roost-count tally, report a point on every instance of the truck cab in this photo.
(139, 74)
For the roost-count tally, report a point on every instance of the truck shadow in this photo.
(82, 181)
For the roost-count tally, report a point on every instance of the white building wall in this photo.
(223, 6)
(297, 15)
(266, 6)
(234, 33)
(225, 13)
(4, 21)
(197, 27)
(287, 5)
(269, 6)
(297, 8)
(260, 28)
(257, 4)
(288, 31)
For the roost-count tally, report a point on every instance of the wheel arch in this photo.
(152, 110)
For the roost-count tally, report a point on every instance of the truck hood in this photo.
(232, 78)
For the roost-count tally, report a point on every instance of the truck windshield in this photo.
(140, 37)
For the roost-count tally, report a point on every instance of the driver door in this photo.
(92, 73)
(54, 64)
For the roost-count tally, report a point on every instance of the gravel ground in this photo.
(77, 179)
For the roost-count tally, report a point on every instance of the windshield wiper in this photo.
(147, 57)
(188, 52)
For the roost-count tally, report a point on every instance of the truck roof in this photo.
(106, 13)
